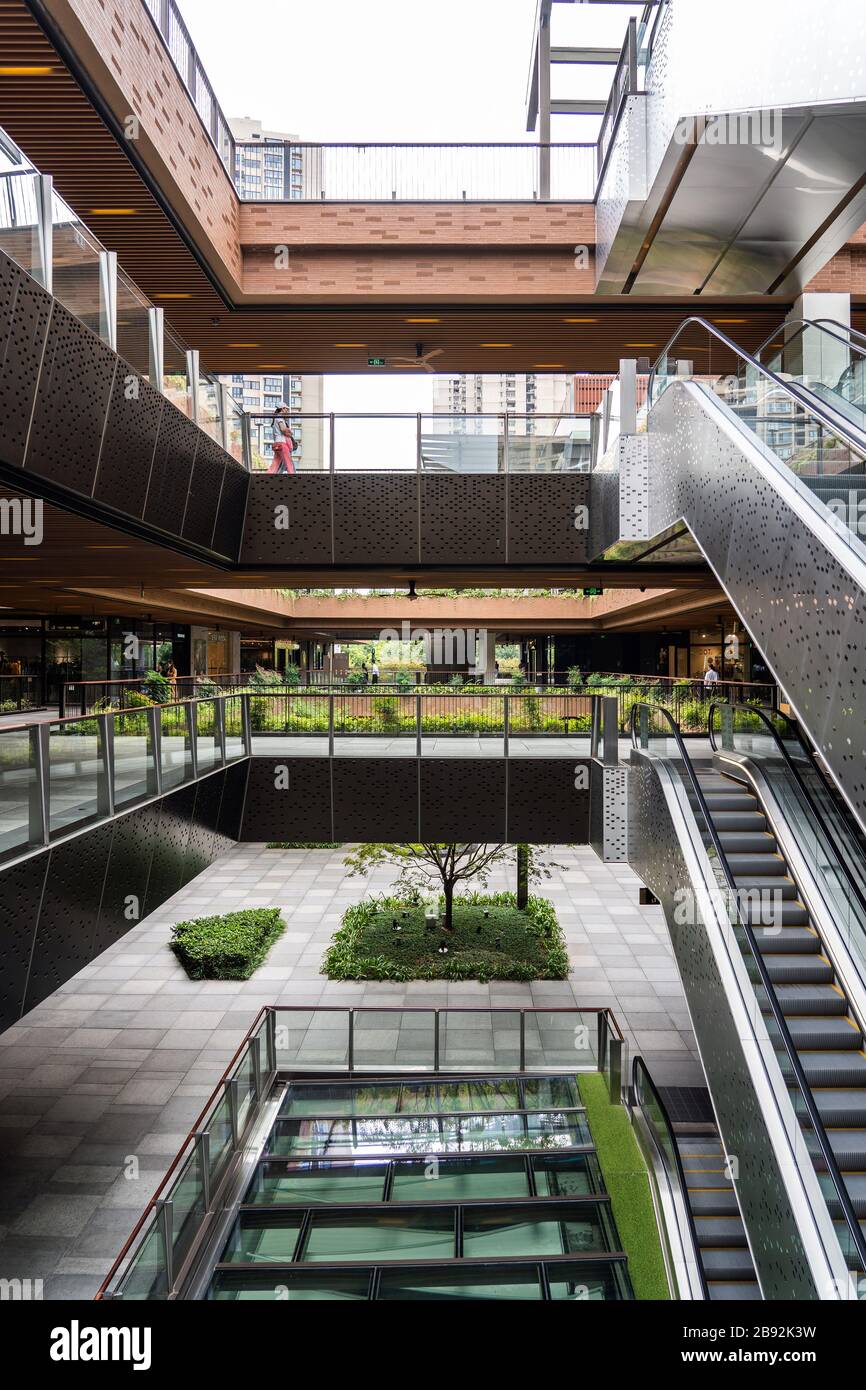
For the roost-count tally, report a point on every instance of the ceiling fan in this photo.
(421, 358)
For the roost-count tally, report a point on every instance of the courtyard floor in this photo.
(100, 1084)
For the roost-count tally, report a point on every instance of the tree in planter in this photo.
(422, 865)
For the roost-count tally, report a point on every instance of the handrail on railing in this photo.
(849, 1214)
(801, 326)
(640, 1078)
(812, 407)
(265, 1020)
(767, 717)
(846, 328)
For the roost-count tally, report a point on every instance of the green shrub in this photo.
(575, 677)
(231, 947)
(303, 844)
(157, 688)
(506, 945)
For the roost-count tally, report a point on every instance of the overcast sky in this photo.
(391, 70)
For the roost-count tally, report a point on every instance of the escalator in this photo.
(771, 481)
(775, 1020)
(707, 1244)
(825, 361)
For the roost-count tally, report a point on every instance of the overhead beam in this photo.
(589, 56)
(585, 107)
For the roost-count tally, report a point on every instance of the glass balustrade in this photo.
(343, 1176)
(823, 453)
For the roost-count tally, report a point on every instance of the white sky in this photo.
(392, 70)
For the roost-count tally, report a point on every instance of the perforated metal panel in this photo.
(71, 403)
(24, 310)
(128, 446)
(803, 607)
(166, 868)
(125, 890)
(231, 809)
(375, 798)
(463, 799)
(546, 518)
(379, 511)
(656, 856)
(204, 492)
(462, 518)
(69, 912)
(20, 897)
(634, 487)
(228, 531)
(297, 811)
(172, 469)
(544, 805)
(204, 841)
(307, 538)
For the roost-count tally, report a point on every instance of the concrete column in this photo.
(485, 655)
(816, 355)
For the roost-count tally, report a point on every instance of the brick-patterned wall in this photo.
(846, 272)
(128, 64)
(317, 276)
(418, 224)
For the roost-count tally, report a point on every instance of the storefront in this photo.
(53, 651)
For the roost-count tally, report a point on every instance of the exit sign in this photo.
(375, 361)
(593, 593)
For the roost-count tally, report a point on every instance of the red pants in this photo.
(282, 461)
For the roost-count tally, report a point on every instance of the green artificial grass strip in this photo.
(229, 947)
(506, 945)
(627, 1182)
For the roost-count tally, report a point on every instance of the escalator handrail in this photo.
(811, 405)
(766, 717)
(846, 328)
(775, 1008)
(639, 1067)
(801, 325)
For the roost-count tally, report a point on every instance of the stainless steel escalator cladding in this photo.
(767, 482)
(803, 1232)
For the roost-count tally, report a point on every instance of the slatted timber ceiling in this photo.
(54, 121)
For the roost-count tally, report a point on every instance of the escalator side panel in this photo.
(657, 856)
(799, 588)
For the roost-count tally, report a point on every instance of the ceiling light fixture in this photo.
(580, 320)
(497, 345)
(423, 320)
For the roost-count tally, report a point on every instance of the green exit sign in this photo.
(593, 593)
(375, 361)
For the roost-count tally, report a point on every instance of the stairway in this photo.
(826, 1034)
(723, 1248)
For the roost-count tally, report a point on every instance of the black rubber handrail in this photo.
(846, 329)
(801, 325)
(766, 717)
(827, 1154)
(639, 1069)
(831, 422)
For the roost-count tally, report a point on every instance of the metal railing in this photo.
(803, 1102)
(374, 442)
(830, 837)
(268, 171)
(647, 1100)
(19, 693)
(624, 85)
(169, 24)
(45, 237)
(285, 1042)
(58, 776)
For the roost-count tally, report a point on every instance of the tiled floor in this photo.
(100, 1083)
